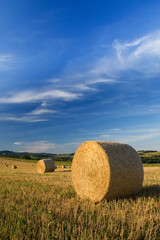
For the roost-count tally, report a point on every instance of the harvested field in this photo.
(35, 206)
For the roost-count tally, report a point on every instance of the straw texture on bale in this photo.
(14, 167)
(106, 170)
(45, 165)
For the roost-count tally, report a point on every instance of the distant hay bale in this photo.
(106, 170)
(13, 166)
(63, 166)
(45, 165)
(6, 165)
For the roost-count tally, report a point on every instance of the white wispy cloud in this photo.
(131, 136)
(54, 80)
(42, 110)
(127, 109)
(5, 61)
(36, 146)
(84, 87)
(40, 95)
(123, 47)
(141, 55)
(141, 110)
(18, 143)
(68, 147)
(102, 80)
(39, 114)
(23, 118)
(46, 146)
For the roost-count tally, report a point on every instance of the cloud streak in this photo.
(141, 55)
(131, 138)
(36, 146)
(5, 61)
(18, 143)
(39, 114)
(29, 119)
(139, 137)
(30, 96)
(42, 110)
(46, 146)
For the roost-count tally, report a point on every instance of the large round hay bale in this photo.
(45, 165)
(106, 170)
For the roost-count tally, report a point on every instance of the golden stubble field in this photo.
(34, 206)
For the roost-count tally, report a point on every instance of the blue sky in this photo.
(72, 71)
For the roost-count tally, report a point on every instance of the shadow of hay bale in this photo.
(150, 191)
(146, 192)
(66, 171)
(60, 171)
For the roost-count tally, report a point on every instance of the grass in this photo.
(149, 153)
(151, 165)
(67, 163)
(41, 207)
(9, 159)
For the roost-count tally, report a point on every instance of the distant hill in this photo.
(146, 156)
(37, 156)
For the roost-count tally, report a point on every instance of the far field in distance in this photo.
(147, 157)
(46, 206)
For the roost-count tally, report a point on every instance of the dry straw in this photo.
(13, 166)
(106, 170)
(45, 165)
